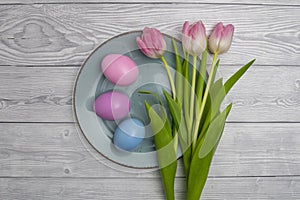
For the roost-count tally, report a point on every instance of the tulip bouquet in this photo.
(195, 122)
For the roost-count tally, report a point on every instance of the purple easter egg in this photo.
(112, 105)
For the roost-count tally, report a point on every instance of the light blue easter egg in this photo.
(129, 134)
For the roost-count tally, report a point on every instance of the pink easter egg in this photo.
(119, 69)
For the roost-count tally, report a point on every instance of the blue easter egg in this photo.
(129, 134)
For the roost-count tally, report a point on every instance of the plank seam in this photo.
(159, 3)
(228, 122)
(133, 178)
(78, 65)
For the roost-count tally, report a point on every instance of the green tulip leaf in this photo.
(166, 150)
(235, 77)
(201, 159)
(201, 78)
(179, 73)
(227, 87)
(151, 93)
(208, 103)
(213, 133)
(187, 90)
(174, 109)
(198, 176)
(218, 93)
(216, 88)
(215, 70)
(181, 128)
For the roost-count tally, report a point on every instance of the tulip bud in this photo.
(221, 38)
(194, 38)
(152, 43)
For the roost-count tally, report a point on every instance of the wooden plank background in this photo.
(66, 33)
(247, 2)
(42, 45)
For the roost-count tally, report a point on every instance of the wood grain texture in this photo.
(44, 94)
(136, 189)
(43, 34)
(42, 156)
(56, 150)
(36, 94)
(256, 2)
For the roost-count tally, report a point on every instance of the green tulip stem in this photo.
(192, 100)
(170, 76)
(209, 82)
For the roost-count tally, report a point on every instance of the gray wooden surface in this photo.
(43, 43)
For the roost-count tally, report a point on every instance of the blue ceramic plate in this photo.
(91, 83)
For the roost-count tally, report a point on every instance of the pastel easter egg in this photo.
(129, 134)
(119, 69)
(112, 105)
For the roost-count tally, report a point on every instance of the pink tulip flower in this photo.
(194, 38)
(152, 43)
(221, 38)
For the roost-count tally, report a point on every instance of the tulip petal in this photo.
(194, 38)
(143, 47)
(215, 37)
(185, 28)
(147, 39)
(201, 38)
(193, 30)
(157, 39)
(152, 43)
(186, 42)
(163, 47)
(226, 40)
(158, 43)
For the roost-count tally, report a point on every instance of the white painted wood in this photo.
(253, 96)
(44, 94)
(258, 2)
(136, 189)
(65, 34)
(48, 42)
(36, 94)
(55, 150)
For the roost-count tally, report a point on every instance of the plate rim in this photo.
(74, 101)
